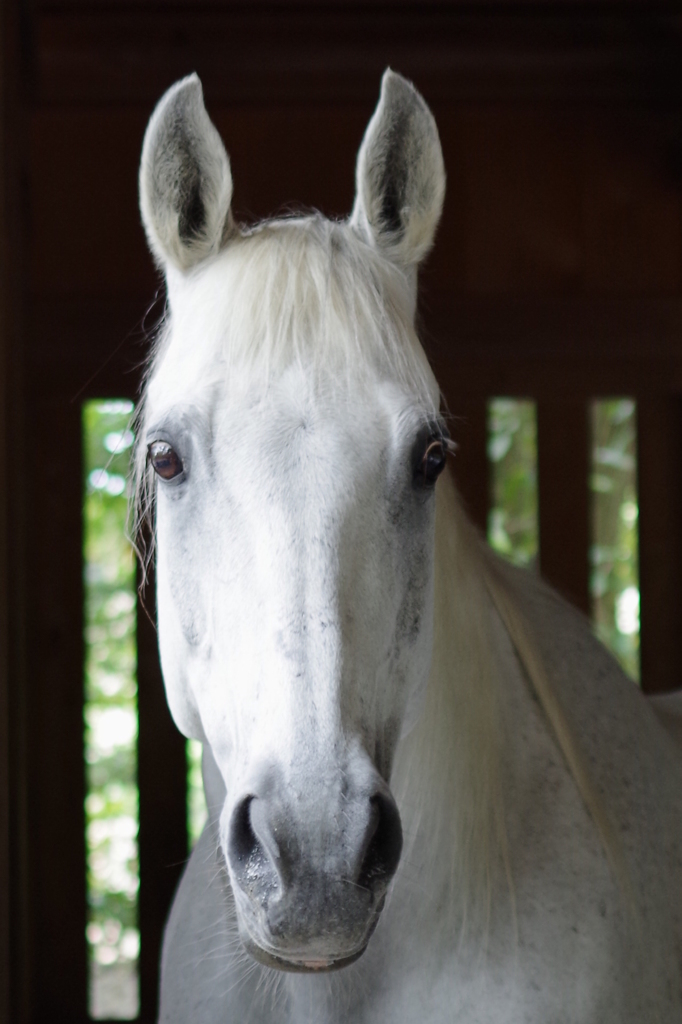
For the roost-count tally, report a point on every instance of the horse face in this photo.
(295, 608)
(295, 522)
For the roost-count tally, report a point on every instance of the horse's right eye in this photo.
(164, 460)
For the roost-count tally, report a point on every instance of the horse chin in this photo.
(307, 963)
(306, 966)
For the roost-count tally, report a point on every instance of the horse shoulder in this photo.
(558, 942)
(637, 772)
(618, 730)
(668, 709)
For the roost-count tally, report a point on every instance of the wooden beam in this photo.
(334, 52)
(468, 428)
(580, 328)
(162, 781)
(15, 976)
(54, 718)
(94, 346)
(659, 463)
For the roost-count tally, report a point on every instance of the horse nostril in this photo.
(243, 842)
(383, 843)
(252, 851)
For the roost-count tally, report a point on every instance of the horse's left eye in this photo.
(165, 461)
(432, 462)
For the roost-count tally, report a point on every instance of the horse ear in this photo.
(185, 179)
(400, 177)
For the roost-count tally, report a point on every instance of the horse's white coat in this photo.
(322, 620)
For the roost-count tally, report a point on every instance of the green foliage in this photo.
(111, 716)
(512, 455)
(614, 580)
(196, 802)
(110, 690)
(513, 519)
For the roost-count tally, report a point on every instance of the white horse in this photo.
(419, 764)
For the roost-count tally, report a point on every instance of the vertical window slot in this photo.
(512, 458)
(110, 712)
(196, 802)
(614, 561)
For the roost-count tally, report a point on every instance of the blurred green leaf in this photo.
(512, 523)
(614, 580)
(110, 712)
(512, 451)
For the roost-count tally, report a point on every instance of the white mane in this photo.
(304, 290)
(447, 772)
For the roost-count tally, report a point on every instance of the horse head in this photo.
(292, 436)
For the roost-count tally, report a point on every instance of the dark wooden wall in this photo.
(557, 275)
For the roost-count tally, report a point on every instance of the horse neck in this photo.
(447, 772)
(487, 659)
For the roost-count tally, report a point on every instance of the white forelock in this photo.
(304, 289)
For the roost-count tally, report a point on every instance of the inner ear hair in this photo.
(185, 180)
(400, 176)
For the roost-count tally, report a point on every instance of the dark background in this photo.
(557, 275)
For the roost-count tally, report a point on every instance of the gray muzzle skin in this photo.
(309, 892)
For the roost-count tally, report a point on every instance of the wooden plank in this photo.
(15, 535)
(560, 378)
(83, 187)
(162, 779)
(520, 187)
(56, 779)
(563, 498)
(90, 347)
(12, 969)
(96, 53)
(97, 345)
(269, 5)
(659, 458)
(631, 203)
(578, 326)
(468, 428)
(5, 590)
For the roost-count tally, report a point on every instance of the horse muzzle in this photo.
(301, 966)
(309, 889)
